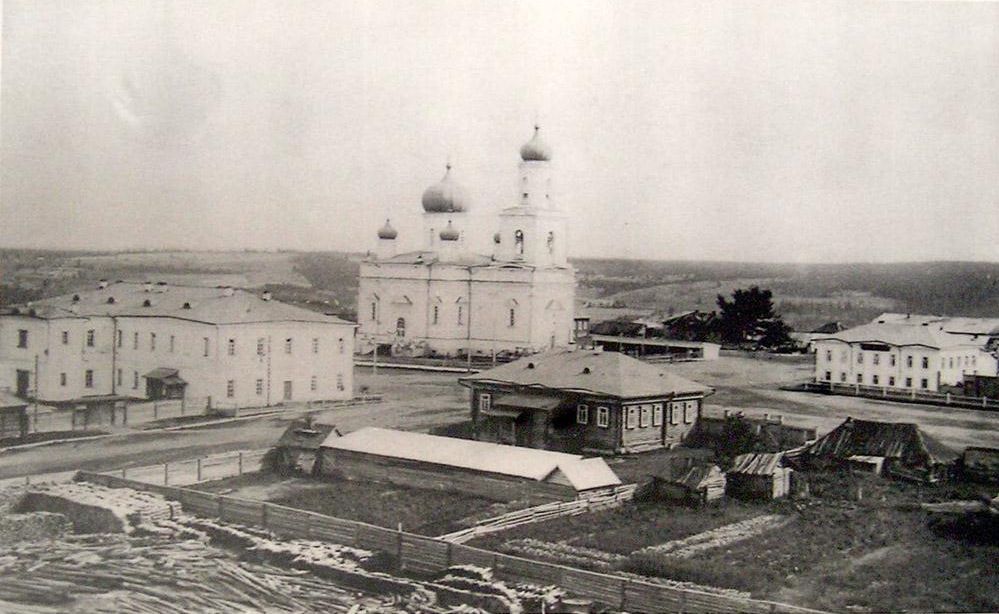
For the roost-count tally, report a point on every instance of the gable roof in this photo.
(591, 371)
(757, 463)
(899, 440)
(930, 335)
(205, 304)
(528, 463)
(689, 473)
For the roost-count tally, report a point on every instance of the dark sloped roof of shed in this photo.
(903, 440)
(757, 463)
(302, 434)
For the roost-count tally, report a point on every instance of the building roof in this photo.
(591, 371)
(930, 335)
(304, 434)
(757, 463)
(424, 257)
(528, 463)
(899, 440)
(204, 304)
(445, 196)
(960, 324)
(689, 473)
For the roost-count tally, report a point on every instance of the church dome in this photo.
(450, 233)
(387, 232)
(445, 196)
(535, 150)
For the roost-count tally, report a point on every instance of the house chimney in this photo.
(267, 295)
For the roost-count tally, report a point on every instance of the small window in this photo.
(891, 380)
(135, 380)
(926, 362)
(461, 315)
(908, 361)
(674, 413)
(603, 417)
(644, 416)
(65, 337)
(828, 355)
(205, 342)
(891, 360)
(842, 377)
(22, 338)
(485, 401)
(315, 345)
(260, 346)
(689, 412)
(135, 340)
(231, 347)
(88, 378)
(340, 345)
(119, 377)
(152, 342)
(62, 379)
(828, 376)
(924, 383)
(950, 363)
(877, 359)
(287, 345)
(582, 414)
(437, 313)
(632, 417)
(513, 317)
(339, 381)
(374, 311)
(860, 378)
(230, 388)
(860, 358)
(260, 387)
(90, 338)
(172, 344)
(908, 382)
(119, 338)
(874, 380)
(313, 383)
(657, 414)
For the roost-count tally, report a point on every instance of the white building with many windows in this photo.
(445, 298)
(908, 352)
(134, 340)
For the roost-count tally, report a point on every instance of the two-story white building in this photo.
(226, 347)
(908, 352)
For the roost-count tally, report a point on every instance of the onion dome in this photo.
(535, 150)
(496, 238)
(445, 196)
(387, 232)
(450, 233)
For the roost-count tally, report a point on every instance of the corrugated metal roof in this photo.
(757, 463)
(514, 461)
(597, 372)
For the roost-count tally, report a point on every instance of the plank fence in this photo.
(904, 395)
(541, 513)
(196, 470)
(423, 555)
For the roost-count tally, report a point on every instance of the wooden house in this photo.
(298, 448)
(896, 449)
(489, 470)
(584, 401)
(688, 481)
(759, 475)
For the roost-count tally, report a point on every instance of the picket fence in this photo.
(421, 555)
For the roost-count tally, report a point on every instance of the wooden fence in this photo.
(195, 470)
(540, 513)
(905, 395)
(421, 555)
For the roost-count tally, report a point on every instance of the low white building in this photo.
(228, 347)
(908, 352)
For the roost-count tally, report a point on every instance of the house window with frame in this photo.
(340, 345)
(91, 334)
(62, 379)
(88, 378)
(119, 377)
(437, 314)
(135, 340)
(632, 413)
(657, 414)
(22, 338)
(65, 337)
(152, 342)
(582, 414)
(206, 343)
(877, 359)
(674, 413)
(908, 362)
(689, 411)
(891, 360)
(261, 341)
(860, 378)
(513, 317)
(828, 355)
(644, 416)
(860, 358)
(172, 343)
(924, 383)
(339, 381)
(135, 380)
(891, 380)
(461, 315)
(231, 347)
(603, 417)
(485, 401)
(260, 387)
(875, 379)
(230, 389)
(315, 345)
(842, 377)
(313, 383)
(926, 362)
(908, 382)
(119, 338)
(287, 345)
(828, 376)
(374, 311)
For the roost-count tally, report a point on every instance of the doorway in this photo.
(23, 382)
(287, 390)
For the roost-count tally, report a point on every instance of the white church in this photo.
(448, 299)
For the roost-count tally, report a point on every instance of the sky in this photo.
(756, 131)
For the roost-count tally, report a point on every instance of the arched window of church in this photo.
(513, 317)
(400, 327)
(518, 241)
(551, 242)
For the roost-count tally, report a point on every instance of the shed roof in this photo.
(514, 461)
(688, 473)
(757, 463)
(900, 440)
(588, 371)
(305, 435)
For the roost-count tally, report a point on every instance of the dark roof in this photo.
(898, 440)
(591, 371)
(688, 473)
(828, 328)
(303, 434)
(757, 463)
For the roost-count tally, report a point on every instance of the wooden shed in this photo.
(758, 476)
(688, 481)
(488, 470)
(298, 448)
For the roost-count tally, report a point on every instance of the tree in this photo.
(746, 315)
(776, 334)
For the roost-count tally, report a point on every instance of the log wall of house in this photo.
(361, 466)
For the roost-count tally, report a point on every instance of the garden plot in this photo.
(720, 537)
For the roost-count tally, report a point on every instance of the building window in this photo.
(518, 241)
(874, 379)
(513, 317)
(461, 315)
(135, 380)
(171, 343)
(400, 327)
(860, 358)
(231, 347)
(582, 414)
(65, 337)
(437, 313)
(260, 346)
(926, 362)
(90, 338)
(374, 311)
(315, 345)
(908, 382)
(205, 342)
(313, 383)
(860, 378)
(842, 377)
(950, 362)
(657, 414)
(287, 345)
(924, 383)
(340, 345)
(891, 360)
(689, 411)
(877, 359)
(674, 413)
(118, 377)
(119, 337)
(485, 401)
(844, 356)
(828, 376)
(22, 338)
(644, 416)
(632, 417)
(260, 387)
(152, 341)
(88, 378)
(339, 381)
(230, 388)
(891, 380)
(287, 390)
(62, 379)
(603, 417)
(828, 355)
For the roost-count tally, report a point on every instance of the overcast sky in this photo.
(799, 131)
